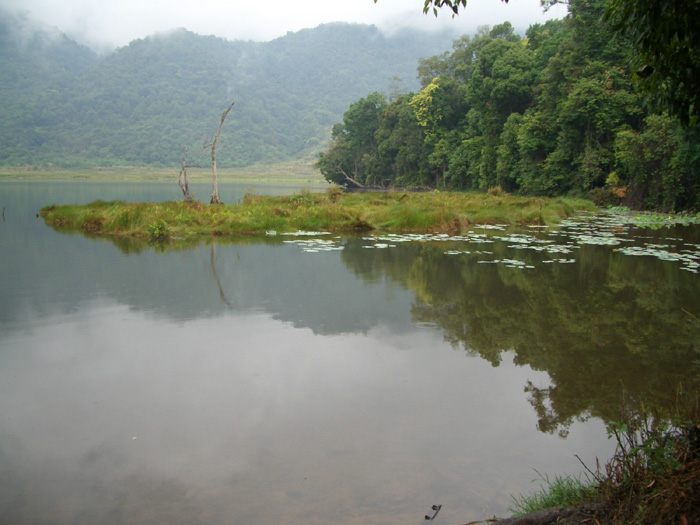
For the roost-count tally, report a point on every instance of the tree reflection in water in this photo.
(607, 329)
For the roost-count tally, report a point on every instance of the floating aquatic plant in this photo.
(617, 230)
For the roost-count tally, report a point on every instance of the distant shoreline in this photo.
(293, 173)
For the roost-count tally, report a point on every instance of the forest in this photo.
(143, 104)
(554, 112)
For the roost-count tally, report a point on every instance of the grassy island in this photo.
(330, 211)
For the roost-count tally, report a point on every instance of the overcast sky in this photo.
(110, 23)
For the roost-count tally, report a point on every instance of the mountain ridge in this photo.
(149, 101)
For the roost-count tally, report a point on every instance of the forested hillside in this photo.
(548, 114)
(143, 104)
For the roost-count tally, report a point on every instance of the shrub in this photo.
(158, 231)
(334, 193)
(495, 191)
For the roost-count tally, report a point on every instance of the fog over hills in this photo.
(105, 25)
(143, 104)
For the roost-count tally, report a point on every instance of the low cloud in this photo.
(108, 24)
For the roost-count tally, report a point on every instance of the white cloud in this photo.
(110, 23)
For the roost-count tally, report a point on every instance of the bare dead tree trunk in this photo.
(215, 199)
(183, 182)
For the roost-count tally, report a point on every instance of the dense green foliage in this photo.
(665, 39)
(665, 43)
(549, 114)
(143, 104)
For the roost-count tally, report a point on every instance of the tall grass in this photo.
(652, 478)
(330, 211)
(562, 491)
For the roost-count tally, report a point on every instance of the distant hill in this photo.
(143, 104)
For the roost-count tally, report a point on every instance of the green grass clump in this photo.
(563, 491)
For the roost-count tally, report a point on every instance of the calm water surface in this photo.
(258, 381)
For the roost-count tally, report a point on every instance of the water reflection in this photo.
(603, 328)
(254, 380)
(628, 325)
(110, 416)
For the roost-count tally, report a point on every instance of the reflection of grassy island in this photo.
(330, 211)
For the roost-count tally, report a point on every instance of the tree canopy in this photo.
(665, 38)
(555, 112)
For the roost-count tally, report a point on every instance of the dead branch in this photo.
(215, 199)
(349, 178)
(183, 181)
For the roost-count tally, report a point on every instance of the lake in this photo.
(323, 379)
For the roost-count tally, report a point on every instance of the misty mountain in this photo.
(144, 103)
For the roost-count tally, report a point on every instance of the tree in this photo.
(400, 146)
(650, 164)
(215, 199)
(665, 37)
(508, 154)
(439, 108)
(554, 113)
(353, 144)
(183, 181)
(336, 164)
(666, 41)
